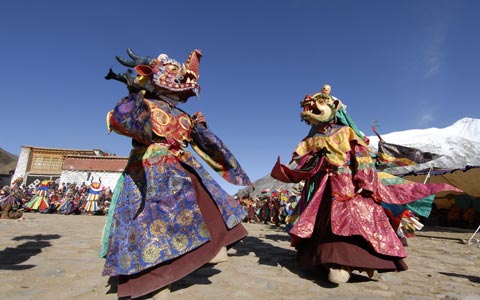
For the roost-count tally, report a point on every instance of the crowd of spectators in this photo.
(64, 198)
(270, 207)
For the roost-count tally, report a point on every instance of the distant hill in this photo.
(458, 145)
(8, 162)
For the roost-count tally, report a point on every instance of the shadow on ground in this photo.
(474, 279)
(271, 255)
(12, 258)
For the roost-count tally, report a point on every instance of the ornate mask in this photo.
(161, 76)
(319, 109)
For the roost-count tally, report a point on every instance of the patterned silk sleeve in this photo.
(365, 175)
(208, 146)
(131, 117)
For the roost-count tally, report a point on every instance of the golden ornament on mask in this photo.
(172, 68)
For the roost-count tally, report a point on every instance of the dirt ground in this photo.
(56, 257)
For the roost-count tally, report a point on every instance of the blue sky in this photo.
(404, 64)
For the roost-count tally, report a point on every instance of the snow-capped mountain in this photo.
(458, 145)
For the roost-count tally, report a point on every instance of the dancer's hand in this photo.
(199, 118)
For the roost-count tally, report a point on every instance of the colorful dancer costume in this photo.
(91, 204)
(342, 225)
(67, 206)
(10, 203)
(168, 216)
(40, 201)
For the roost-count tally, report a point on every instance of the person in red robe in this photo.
(342, 225)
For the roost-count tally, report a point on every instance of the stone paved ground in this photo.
(56, 257)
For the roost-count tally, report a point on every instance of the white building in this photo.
(68, 166)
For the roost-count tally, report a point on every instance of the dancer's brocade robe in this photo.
(342, 160)
(154, 215)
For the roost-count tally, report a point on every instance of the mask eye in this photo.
(172, 68)
(319, 100)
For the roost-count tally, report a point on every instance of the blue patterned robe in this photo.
(154, 215)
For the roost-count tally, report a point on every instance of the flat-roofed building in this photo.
(68, 166)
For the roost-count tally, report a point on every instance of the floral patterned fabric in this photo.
(154, 215)
(356, 189)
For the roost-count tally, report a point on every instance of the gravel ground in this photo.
(56, 257)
